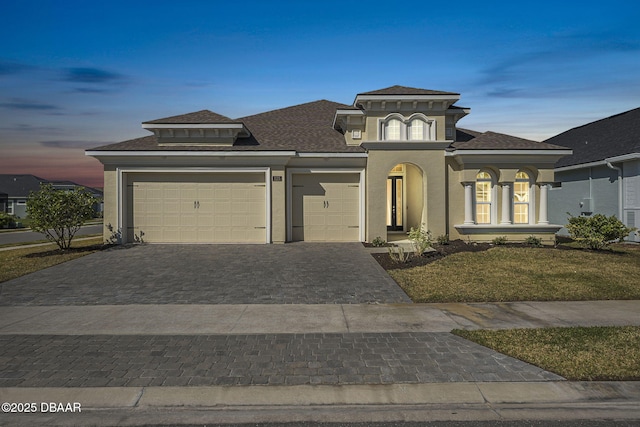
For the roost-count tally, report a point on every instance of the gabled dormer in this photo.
(200, 128)
(400, 115)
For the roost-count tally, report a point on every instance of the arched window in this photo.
(392, 130)
(484, 190)
(418, 130)
(521, 198)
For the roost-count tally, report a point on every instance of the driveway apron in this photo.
(297, 273)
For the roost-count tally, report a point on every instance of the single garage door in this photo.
(198, 208)
(325, 207)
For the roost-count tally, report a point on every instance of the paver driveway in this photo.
(297, 273)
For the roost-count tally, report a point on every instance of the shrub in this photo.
(597, 231)
(443, 239)
(500, 240)
(533, 241)
(59, 214)
(420, 239)
(6, 219)
(399, 255)
(378, 242)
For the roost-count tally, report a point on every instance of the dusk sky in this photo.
(77, 75)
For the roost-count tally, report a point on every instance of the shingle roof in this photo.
(498, 141)
(198, 117)
(303, 128)
(404, 90)
(610, 137)
(20, 185)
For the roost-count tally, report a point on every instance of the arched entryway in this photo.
(405, 206)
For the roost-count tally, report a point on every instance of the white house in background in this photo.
(603, 174)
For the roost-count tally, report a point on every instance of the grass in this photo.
(18, 262)
(526, 274)
(579, 354)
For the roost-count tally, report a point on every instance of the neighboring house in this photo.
(18, 188)
(603, 174)
(325, 171)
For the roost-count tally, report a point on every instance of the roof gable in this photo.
(404, 90)
(197, 117)
(609, 137)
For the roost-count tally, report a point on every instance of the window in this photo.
(417, 130)
(484, 188)
(21, 202)
(521, 194)
(392, 130)
(398, 128)
(10, 207)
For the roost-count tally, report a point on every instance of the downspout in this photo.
(619, 169)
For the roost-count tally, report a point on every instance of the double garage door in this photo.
(198, 208)
(326, 207)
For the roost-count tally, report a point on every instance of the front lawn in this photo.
(526, 274)
(580, 354)
(18, 262)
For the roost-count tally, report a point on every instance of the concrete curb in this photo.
(355, 403)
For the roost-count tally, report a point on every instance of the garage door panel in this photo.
(211, 208)
(325, 207)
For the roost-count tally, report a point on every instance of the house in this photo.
(325, 171)
(16, 189)
(603, 173)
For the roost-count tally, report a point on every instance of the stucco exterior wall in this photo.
(432, 165)
(110, 213)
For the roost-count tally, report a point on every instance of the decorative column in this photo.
(505, 217)
(542, 216)
(468, 203)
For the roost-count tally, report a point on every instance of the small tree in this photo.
(59, 214)
(597, 231)
(420, 239)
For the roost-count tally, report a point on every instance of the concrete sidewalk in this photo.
(309, 318)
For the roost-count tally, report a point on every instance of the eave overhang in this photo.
(546, 157)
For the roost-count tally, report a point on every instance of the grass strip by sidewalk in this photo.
(526, 274)
(18, 262)
(601, 353)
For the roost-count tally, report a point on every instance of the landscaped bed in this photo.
(580, 354)
(18, 262)
(462, 272)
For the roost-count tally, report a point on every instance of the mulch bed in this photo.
(442, 251)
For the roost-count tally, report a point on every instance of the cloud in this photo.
(91, 75)
(25, 104)
(27, 128)
(72, 144)
(9, 68)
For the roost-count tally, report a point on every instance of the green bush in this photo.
(420, 239)
(533, 241)
(443, 239)
(500, 240)
(378, 242)
(597, 231)
(5, 219)
(59, 214)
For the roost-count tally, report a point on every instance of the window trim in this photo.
(405, 131)
(530, 198)
(493, 214)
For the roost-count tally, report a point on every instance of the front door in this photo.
(394, 203)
